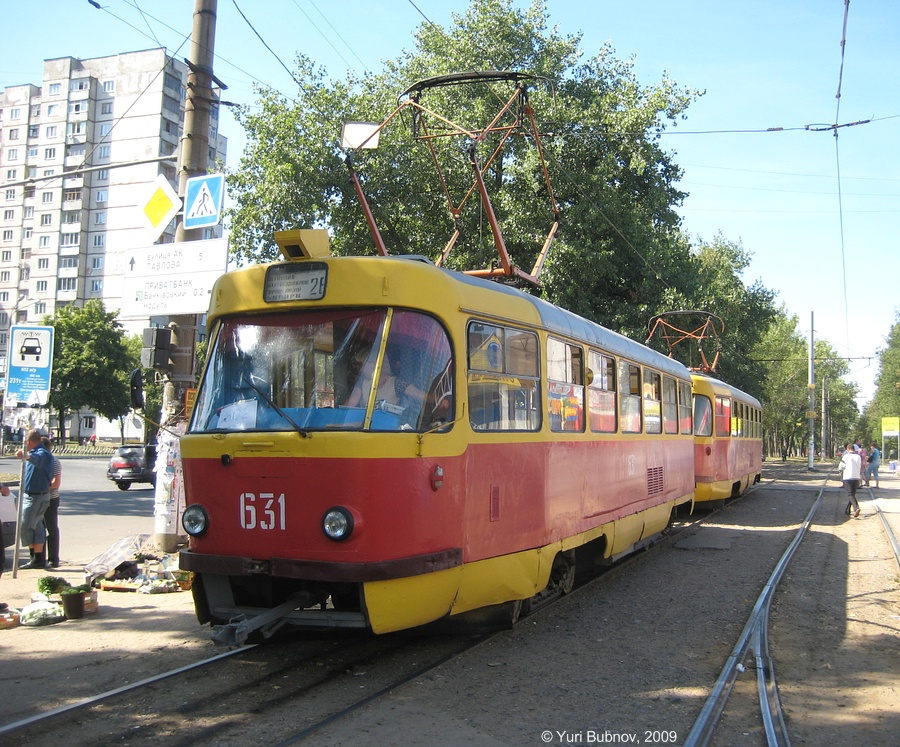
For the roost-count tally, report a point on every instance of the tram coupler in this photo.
(236, 632)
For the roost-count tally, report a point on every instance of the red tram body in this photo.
(540, 440)
(379, 442)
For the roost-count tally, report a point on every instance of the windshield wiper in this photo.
(261, 392)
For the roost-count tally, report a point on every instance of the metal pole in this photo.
(811, 411)
(194, 162)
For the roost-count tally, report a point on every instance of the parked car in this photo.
(132, 463)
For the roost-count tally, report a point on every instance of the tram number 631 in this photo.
(263, 511)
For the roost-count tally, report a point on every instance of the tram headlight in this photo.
(195, 520)
(337, 523)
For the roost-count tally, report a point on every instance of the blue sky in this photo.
(827, 246)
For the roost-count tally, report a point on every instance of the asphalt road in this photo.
(93, 512)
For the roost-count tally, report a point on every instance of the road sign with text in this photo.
(30, 365)
(171, 278)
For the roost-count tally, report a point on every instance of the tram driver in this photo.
(394, 393)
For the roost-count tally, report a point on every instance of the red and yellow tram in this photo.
(379, 442)
(728, 439)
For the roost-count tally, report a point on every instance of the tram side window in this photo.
(565, 396)
(652, 401)
(684, 407)
(629, 397)
(670, 405)
(723, 416)
(737, 420)
(703, 416)
(503, 378)
(601, 392)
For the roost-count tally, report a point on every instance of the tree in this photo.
(715, 285)
(616, 195)
(90, 362)
(620, 256)
(886, 402)
(783, 351)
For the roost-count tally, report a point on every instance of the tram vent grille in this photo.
(655, 481)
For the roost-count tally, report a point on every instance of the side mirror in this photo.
(137, 389)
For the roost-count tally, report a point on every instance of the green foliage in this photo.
(620, 256)
(616, 192)
(886, 402)
(90, 361)
(783, 351)
(52, 585)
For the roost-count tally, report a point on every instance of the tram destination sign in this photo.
(296, 282)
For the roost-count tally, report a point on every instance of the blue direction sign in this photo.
(30, 363)
(203, 197)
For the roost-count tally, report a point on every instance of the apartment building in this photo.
(79, 157)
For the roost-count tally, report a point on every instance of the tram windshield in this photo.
(379, 370)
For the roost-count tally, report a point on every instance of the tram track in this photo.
(41, 728)
(218, 696)
(299, 689)
(754, 640)
(751, 651)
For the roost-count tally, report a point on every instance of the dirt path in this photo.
(634, 655)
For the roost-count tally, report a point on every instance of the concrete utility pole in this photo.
(811, 408)
(194, 162)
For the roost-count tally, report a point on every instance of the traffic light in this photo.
(157, 349)
(137, 389)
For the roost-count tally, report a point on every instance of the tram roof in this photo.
(723, 386)
(568, 324)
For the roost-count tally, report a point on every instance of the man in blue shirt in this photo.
(35, 497)
(874, 463)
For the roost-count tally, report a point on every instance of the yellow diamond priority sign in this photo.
(163, 205)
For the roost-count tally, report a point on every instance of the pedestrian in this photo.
(4, 490)
(35, 497)
(851, 469)
(872, 466)
(51, 516)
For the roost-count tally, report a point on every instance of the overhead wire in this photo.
(120, 117)
(837, 156)
(327, 40)
(265, 44)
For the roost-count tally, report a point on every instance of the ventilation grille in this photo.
(495, 503)
(655, 481)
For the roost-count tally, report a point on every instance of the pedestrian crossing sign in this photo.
(203, 201)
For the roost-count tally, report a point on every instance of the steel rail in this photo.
(892, 538)
(94, 699)
(754, 634)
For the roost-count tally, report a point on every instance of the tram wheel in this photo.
(563, 574)
(519, 609)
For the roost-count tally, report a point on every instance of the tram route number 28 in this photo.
(262, 511)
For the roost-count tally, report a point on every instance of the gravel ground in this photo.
(629, 658)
